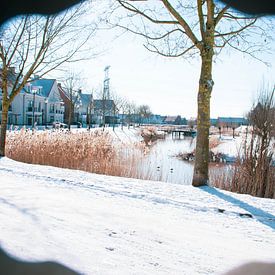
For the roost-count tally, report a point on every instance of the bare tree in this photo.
(131, 112)
(144, 111)
(119, 105)
(36, 45)
(72, 87)
(90, 109)
(103, 106)
(174, 28)
(259, 153)
(254, 171)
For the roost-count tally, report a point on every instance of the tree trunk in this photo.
(70, 117)
(3, 129)
(200, 176)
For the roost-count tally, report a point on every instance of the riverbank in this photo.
(111, 225)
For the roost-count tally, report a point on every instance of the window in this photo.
(30, 104)
(52, 108)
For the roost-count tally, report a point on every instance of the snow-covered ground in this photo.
(233, 147)
(108, 225)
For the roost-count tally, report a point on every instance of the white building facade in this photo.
(39, 103)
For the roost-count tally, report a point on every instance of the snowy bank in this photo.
(109, 225)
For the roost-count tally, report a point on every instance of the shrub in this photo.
(150, 134)
(254, 171)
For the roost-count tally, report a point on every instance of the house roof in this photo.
(99, 104)
(232, 119)
(46, 85)
(85, 99)
(171, 118)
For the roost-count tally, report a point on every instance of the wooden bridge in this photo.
(178, 131)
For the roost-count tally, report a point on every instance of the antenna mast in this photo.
(106, 84)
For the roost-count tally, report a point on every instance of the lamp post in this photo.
(33, 102)
(24, 109)
(46, 118)
(34, 90)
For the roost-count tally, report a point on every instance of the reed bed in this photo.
(91, 151)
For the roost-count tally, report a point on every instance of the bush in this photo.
(254, 171)
(150, 134)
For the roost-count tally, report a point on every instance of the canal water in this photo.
(161, 163)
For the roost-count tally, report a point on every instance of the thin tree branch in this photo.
(156, 50)
(220, 15)
(201, 18)
(132, 8)
(183, 23)
(236, 31)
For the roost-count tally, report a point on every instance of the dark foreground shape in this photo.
(10, 266)
(11, 8)
(253, 268)
(255, 7)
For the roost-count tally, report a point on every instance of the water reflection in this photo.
(161, 164)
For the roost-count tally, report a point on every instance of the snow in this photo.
(230, 146)
(99, 224)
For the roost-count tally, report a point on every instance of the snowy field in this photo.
(107, 225)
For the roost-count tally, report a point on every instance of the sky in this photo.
(169, 85)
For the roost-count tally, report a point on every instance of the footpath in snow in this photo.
(99, 224)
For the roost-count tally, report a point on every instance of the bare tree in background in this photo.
(192, 28)
(143, 111)
(119, 105)
(36, 45)
(72, 87)
(131, 112)
(90, 110)
(123, 110)
(254, 170)
(102, 108)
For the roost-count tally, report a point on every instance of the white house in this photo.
(86, 108)
(38, 103)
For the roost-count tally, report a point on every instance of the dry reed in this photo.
(91, 151)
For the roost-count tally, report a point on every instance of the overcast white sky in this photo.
(169, 85)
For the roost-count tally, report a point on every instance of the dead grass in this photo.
(150, 134)
(245, 177)
(91, 151)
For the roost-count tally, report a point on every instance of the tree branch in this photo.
(132, 8)
(183, 23)
(220, 15)
(236, 31)
(201, 18)
(156, 50)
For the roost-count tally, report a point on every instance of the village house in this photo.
(37, 103)
(231, 122)
(79, 104)
(71, 102)
(86, 108)
(105, 111)
(175, 120)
